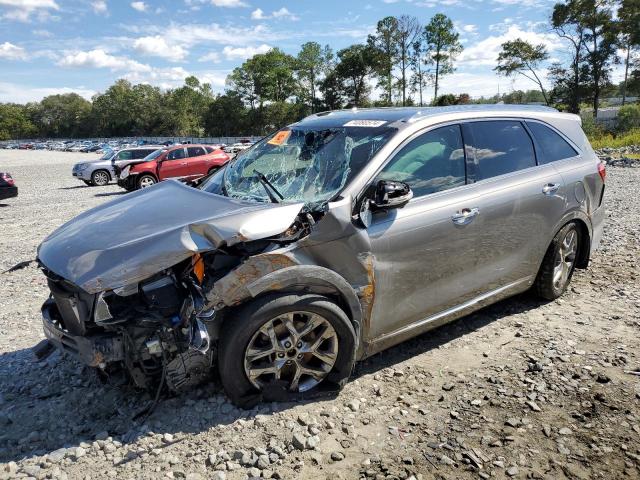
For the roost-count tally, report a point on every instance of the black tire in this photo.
(544, 285)
(100, 178)
(146, 180)
(88, 183)
(238, 330)
(213, 170)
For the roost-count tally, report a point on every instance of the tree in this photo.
(14, 122)
(384, 45)
(521, 57)
(356, 63)
(628, 36)
(312, 62)
(226, 116)
(63, 115)
(420, 78)
(187, 106)
(443, 46)
(333, 91)
(408, 29)
(568, 84)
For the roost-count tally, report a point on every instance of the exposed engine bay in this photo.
(163, 329)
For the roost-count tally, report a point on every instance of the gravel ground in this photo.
(522, 389)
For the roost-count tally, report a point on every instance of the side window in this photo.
(124, 155)
(138, 154)
(554, 147)
(209, 149)
(176, 154)
(195, 151)
(498, 147)
(429, 163)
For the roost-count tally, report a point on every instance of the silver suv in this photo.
(100, 172)
(324, 243)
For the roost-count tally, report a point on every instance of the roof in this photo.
(411, 114)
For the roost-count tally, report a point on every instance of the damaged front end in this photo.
(166, 325)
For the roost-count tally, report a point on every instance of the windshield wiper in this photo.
(267, 184)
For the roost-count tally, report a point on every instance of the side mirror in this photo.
(391, 194)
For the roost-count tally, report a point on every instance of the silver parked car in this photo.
(326, 242)
(100, 172)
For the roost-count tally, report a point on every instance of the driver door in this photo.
(424, 252)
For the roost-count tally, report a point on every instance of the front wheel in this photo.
(146, 181)
(100, 178)
(559, 263)
(290, 343)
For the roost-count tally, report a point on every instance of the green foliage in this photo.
(451, 99)
(14, 122)
(628, 118)
(609, 140)
(443, 46)
(521, 57)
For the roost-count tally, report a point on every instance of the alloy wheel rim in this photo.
(299, 348)
(100, 178)
(565, 258)
(146, 182)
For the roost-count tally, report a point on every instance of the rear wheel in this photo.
(100, 178)
(213, 170)
(146, 181)
(559, 263)
(288, 342)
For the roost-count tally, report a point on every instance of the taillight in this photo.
(7, 178)
(602, 170)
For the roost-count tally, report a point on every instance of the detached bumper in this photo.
(92, 350)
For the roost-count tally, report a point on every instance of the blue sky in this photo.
(57, 46)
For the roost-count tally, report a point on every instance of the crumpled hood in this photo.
(129, 239)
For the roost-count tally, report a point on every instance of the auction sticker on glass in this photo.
(280, 137)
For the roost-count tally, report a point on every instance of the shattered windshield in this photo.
(298, 164)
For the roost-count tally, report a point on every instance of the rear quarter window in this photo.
(553, 146)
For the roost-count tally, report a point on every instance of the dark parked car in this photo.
(8, 188)
(326, 242)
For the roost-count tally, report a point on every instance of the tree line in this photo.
(401, 63)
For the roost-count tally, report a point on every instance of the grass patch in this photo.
(609, 140)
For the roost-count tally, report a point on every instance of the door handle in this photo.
(183, 163)
(550, 188)
(465, 216)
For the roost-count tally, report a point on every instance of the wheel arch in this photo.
(304, 279)
(586, 235)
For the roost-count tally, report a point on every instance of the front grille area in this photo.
(74, 304)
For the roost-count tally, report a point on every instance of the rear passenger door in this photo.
(519, 202)
(197, 161)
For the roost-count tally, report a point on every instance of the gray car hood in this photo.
(129, 239)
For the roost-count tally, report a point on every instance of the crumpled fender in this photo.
(278, 272)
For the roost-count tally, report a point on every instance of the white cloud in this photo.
(193, 34)
(19, 93)
(258, 14)
(483, 84)
(485, 52)
(43, 33)
(157, 46)
(12, 52)
(99, 6)
(139, 6)
(99, 58)
(240, 53)
(21, 10)
(210, 57)
(228, 3)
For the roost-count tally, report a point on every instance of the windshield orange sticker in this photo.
(280, 137)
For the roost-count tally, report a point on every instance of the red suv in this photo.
(186, 162)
